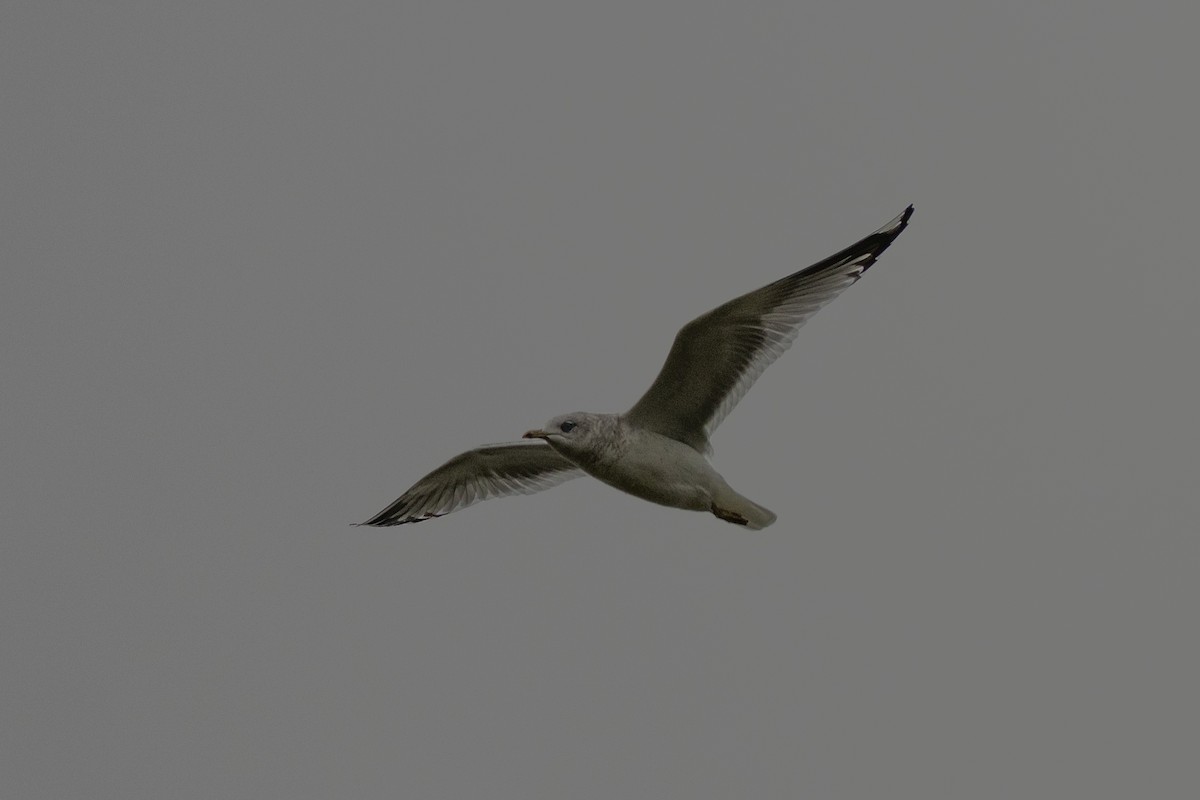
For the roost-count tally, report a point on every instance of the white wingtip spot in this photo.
(898, 223)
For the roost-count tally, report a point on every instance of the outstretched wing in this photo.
(717, 357)
(494, 470)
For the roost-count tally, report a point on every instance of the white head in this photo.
(578, 433)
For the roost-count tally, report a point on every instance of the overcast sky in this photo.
(266, 264)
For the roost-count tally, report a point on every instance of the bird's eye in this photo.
(567, 426)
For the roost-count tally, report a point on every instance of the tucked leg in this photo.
(728, 516)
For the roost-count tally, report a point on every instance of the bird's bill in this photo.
(536, 433)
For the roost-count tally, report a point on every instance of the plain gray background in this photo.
(266, 264)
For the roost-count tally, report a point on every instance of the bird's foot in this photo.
(728, 516)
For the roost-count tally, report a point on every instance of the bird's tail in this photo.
(734, 508)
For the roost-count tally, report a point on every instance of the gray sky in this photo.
(266, 264)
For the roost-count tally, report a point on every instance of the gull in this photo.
(658, 450)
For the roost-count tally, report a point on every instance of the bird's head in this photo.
(580, 432)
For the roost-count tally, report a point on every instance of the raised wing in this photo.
(494, 470)
(717, 357)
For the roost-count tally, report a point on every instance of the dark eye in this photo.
(567, 426)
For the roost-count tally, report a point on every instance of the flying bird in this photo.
(658, 450)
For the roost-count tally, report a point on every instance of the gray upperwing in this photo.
(494, 470)
(718, 356)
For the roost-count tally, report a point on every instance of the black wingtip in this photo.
(870, 248)
(894, 228)
(390, 521)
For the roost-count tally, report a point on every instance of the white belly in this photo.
(662, 471)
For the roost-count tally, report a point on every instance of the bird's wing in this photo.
(494, 470)
(717, 357)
